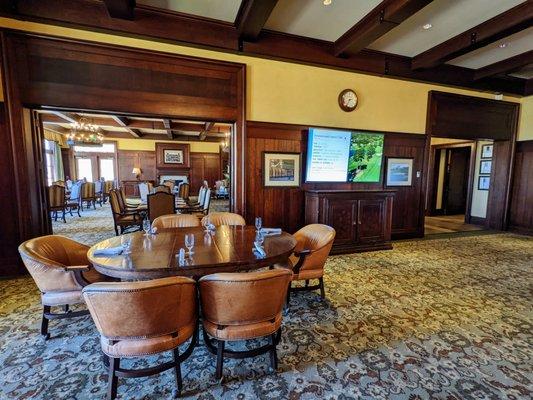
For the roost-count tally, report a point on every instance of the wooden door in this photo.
(456, 180)
(342, 215)
(197, 173)
(370, 220)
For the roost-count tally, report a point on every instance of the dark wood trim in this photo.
(252, 16)
(123, 9)
(124, 122)
(505, 24)
(505, 66)
(476, 221)
(384, 17)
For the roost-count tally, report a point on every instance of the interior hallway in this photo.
(449, 224)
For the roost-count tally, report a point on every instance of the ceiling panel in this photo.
(225, 10)
(448, 19)
(526, 72)
(510, 46)
(311, 18)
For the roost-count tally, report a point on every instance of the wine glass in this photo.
(189, 242)
(125, 242)
(258, 223)
(259, 239)
(146, 227)
(206, 223)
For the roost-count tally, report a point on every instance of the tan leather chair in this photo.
(224, 218)
(56, 201)
(241, 306)
(160, 203)
(184, 191)
(88, 195)
(60, 269)
(123, 218)
(137, 319)
(175, 221)
(312, 249)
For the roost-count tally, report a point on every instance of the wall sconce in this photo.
(137, 172)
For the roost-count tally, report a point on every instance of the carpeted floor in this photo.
(445, 318)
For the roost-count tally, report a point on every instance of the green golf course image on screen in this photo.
(365, 159)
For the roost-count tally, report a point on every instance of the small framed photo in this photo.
(399, 172)
(486, 151)
(483, 183)
(485, 166)
(281, 169)
(173, 156)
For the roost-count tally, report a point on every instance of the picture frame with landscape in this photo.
(281, 169)
(399, 172)
(485, 166)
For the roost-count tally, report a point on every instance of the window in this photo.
(95, 162)
(107, 169)
(50, 161)
(84, 168)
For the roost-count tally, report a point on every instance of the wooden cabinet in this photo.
(362, 219)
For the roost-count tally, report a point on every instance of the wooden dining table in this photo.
(226, 249)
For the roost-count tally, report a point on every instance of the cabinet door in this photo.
(341, 215)
(370, 220)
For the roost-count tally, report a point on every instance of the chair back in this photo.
(56, 196)
(318, 238)
(207, 201)
(75, 191)
(184, 191)
(108, 185)
(201, 195)
(244, 298)
(175, 221)
(218, 185)
(87, 190)
(161, 188)
(160, 203)
(114, 199)
(46, 257)
(60, 183)
(224, 218)
(142, 310)
(170, 184)
(98, 187)
(143, 191)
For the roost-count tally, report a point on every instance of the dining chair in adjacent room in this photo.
(170, 184)
(88, 195)
(74, 198)
(108, 185)
(184, 191)
(56, 201)
(99, 191)
(160, 203)
(224, 218)
(139, 319)
(242, 306)
(201, 197)
(143, 191)
(161, 188)
(175, 221)
(60, 269)
(122, 217)
(203, 209)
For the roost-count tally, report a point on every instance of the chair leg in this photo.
(70, 211)
(114, 364)
(44, 323)
(220, 359)
(273, 353)
(64, 219)
(321, 283)
(176, 353)
(79, 215)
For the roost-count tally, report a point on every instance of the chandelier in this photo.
(83, 133)
(224, 145)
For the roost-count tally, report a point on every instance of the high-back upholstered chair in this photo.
(56, 201)
(201, 198)
(122, 217)
(108, 185)
(60, 269)
(203, 209)
(224, 218)
(73, 202)
(160, 203)
(175, 221)
(184, 191)
(137, 319)
(99, 191)
(143, 191)
(241, 306)
(312, 249)
(161, 188)
(170, 184)
(88, 195)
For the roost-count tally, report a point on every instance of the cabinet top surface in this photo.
(317, 191)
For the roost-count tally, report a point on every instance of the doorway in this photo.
(456, 173)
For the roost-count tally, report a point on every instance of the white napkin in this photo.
(259, 249)
(271, 231)
(110, 251)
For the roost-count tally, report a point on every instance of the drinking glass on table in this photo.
(189, 242)
(125, 242)
(147, 227)
(258, 223)
(259, 238)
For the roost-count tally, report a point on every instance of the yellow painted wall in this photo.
(149, 145)
(525, 127)
(292, 93)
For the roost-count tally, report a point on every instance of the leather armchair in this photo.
(137, 319)
(60, 269)
(224, 218)
(160, 203)
(175, 221)
(122, 217)
(241, 306)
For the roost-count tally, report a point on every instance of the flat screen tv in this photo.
(344, 156)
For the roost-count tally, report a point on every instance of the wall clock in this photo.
(347, 100)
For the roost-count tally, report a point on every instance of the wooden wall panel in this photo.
(204, 166)
(521, 208)
(128, 159)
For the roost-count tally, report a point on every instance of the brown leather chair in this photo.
(184, 191)
(60, 269)
(56, 201)
(175, 221)
(170, 184)
(160, 203)
(122, 217)
(88, 195)
(108, 185)
(224, 218)
(241, 306)
(312, 249)
(161, 188)
(137, 319)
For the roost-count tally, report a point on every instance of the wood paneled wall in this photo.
(521, 208)
(204, 166)
(284, 207)
(128, 159)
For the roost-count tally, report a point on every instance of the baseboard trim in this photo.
(477, 220)
(521, 230)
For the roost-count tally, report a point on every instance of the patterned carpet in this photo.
(446, 318)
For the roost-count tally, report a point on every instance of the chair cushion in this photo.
(61, 298)
(243, 332)
(144, 347)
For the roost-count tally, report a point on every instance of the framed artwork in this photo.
(483, 183)
(486, 151)
(399, 172)
(485, 166)
(172, 155)
(281, 169)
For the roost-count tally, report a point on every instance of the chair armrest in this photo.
(77, 271)
(76, 268)
(301, 259)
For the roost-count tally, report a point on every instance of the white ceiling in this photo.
(224, 10)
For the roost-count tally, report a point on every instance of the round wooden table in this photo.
(227, 249)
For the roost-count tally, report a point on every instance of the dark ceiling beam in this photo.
(252, 17)
(166, 124)
(123, 9)
(528, 89)
(124, 122)
(501, 26)
(505, 66)
(68, 118)
(207, 128)
(386, 16)
(155, 136)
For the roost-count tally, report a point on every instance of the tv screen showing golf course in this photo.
(344, 156)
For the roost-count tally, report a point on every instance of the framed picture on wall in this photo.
(486, 151)
(173, 156)
(399, 172)
(281, 169)
(485, 166)
(170, 156)
(483, 183)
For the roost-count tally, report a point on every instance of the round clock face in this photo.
(348, 100)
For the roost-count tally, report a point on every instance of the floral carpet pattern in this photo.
(446, 318)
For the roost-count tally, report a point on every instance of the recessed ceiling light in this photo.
(503, 45)
(327, 2)
(427, 26)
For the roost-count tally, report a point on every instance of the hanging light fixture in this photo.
(83, 133)
(224, 145)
